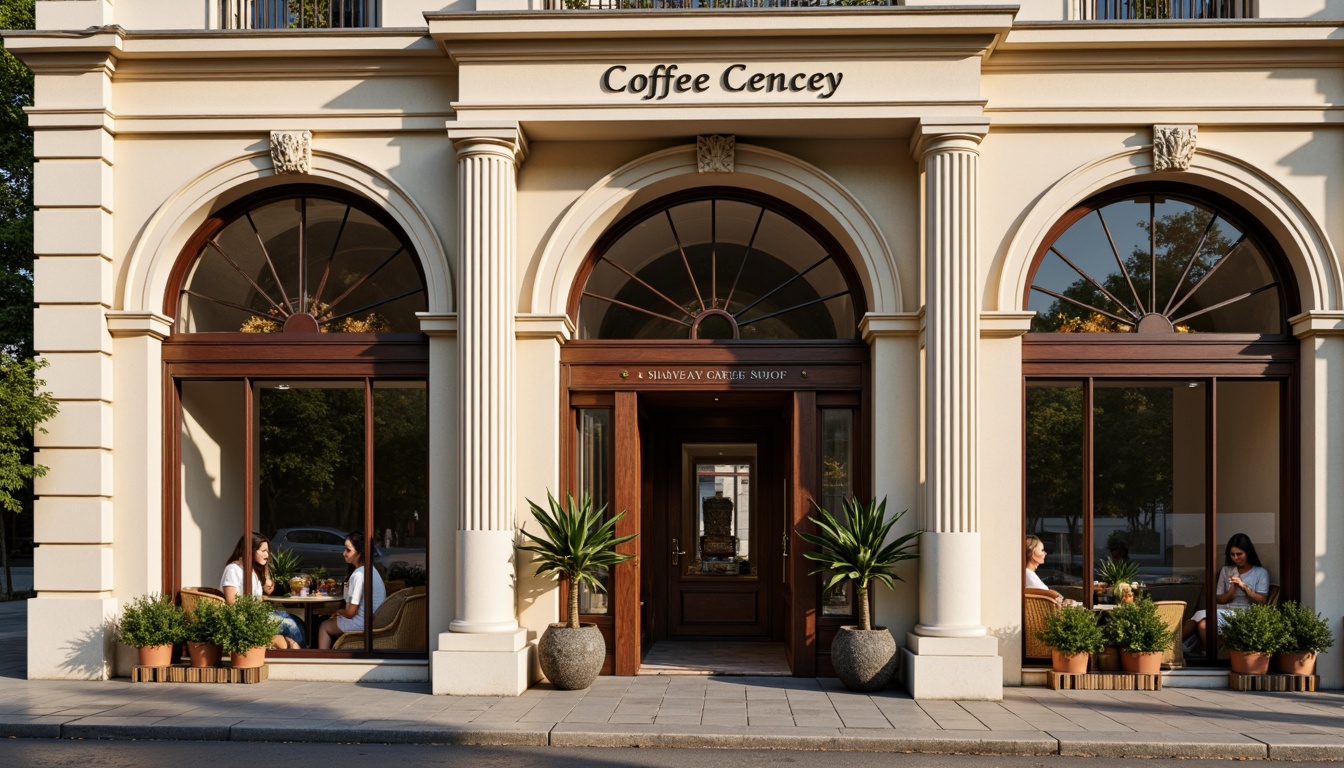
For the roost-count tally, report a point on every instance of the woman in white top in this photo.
(1242, 582)
(351, 616)
(231, 584)
(1034, 554)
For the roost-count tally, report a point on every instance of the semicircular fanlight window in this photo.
(1156, 264)
(303, 263)
(719, 266)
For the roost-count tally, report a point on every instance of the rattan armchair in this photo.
(400, 624)
(1035, 610)
(190, 597)
(1172, 613)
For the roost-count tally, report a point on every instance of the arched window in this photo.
(1213, 274)
(301, 260)
(1159, 403)
(718, 264)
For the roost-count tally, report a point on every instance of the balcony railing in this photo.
(299, 14)
(610, 5)
(1139, 10)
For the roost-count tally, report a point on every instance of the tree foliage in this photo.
(16, 191)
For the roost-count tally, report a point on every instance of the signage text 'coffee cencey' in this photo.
(666, 79)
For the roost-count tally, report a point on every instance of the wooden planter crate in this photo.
(1239, 682)
(1105, 681)
(181, 673)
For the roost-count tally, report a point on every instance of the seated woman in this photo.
(1034, 554)
(1241, 582)
(351, 616)
(231, 584)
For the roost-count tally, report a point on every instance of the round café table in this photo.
(309, 606)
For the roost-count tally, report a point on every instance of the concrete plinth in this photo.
(965, 668)
(495, 664)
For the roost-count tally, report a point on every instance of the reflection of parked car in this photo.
(322, 547)
(318, 547)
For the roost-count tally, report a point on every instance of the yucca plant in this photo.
(577, 543)
(858, 549)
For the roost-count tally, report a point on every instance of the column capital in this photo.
(533, 326)
(1005, 325)
(936, 134)
(124, 324)
(1317, 323)
(875, 325)
(437, 324)
(481, 137)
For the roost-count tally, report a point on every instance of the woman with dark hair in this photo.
(231, 584)
(1241, 583)
(351, 616)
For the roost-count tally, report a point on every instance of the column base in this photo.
(481, 664)
(71, 638)
(965, 668)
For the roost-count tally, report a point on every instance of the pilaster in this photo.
(963, 663)
(488, 156)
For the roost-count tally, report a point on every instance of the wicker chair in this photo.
(190, 597)
(1172, 613)
(400, 623)
(1035, 610)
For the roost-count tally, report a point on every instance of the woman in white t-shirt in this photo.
(351, 616)
(1034, 554)
(1242, 582)
(231, 584)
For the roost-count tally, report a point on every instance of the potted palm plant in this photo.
(1306, 633)
(152, 624)
(285, 564)
(1140, 634)
(202, 628)
(1112, 574)
(1252, 634)
(857, 549)
(1073, 635)
(244, 631)
(575, 544)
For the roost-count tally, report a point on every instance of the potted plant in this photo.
(202, 628)
(285, 564)
(152, 624)
(1140, 634)
(1111, 574)
(244, 631)
(1073, 635)
(1306, 633)
(1252, 634)
(857, 549)
(575, 543)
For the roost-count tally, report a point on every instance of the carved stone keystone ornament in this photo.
(1174, 146)
(292, 151)
(715, 154)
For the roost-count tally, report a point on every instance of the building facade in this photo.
(1054, 268)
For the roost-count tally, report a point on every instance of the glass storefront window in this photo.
(594, 479)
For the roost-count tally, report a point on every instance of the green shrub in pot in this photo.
(152, 623)
(1306, 633)
(244, 625)
(1072, 629)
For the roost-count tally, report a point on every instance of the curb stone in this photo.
(1231, 746)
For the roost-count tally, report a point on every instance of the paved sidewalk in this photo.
(658, 711)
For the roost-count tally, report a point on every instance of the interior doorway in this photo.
(716, 484)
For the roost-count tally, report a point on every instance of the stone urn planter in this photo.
(1249, 662)
(1142, 662)
(1069, 663)
(864, 659)
(1303, 663)
(571, 658)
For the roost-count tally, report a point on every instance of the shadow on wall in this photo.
(90, 655)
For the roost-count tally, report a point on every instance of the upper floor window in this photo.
(301, 259)
(298, 14)
(1157, 262)
(1131, 10)
(718, 264)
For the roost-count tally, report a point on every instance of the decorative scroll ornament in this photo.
(715, 154)
(292, 151)
(1174, 146)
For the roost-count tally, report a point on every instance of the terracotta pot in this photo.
(1071, 663)
(1296, 663)
(1249, 662)
(156, 655)
(1109, 659)
(255, 657)
(1142, 662)
(205, 654)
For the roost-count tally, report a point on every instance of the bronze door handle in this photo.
(676, 553)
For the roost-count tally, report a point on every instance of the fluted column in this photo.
(487, 168)
(950, 628)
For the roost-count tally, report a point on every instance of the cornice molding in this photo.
(123, 324)
(890, 325)
(1005, 325)
(1318, 323)
(556, 327)
(432, 324)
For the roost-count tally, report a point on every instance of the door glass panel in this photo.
(837, 486)
(401, 509)
(1150, 498)
(1054, 481)
(213, 481)
(594, 479)
(720, 513)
